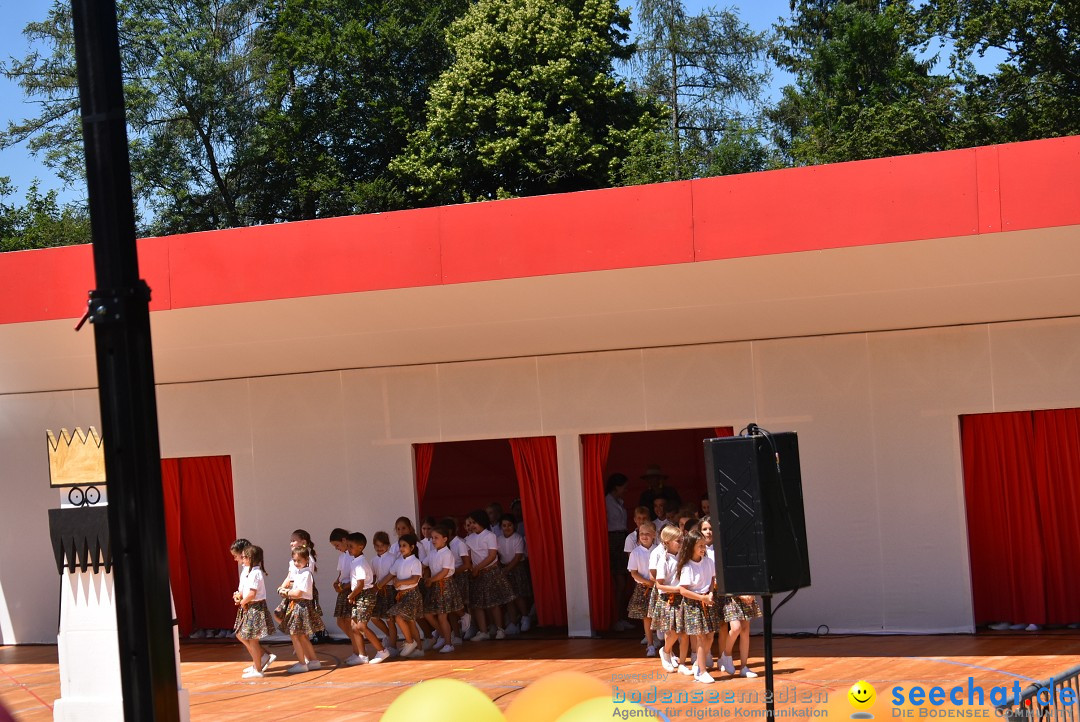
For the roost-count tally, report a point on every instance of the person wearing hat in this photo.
(655, 479)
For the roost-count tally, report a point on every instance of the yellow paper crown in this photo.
(76, 459)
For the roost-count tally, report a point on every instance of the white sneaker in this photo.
(393, 651)
(665, 661)
(708, 660)
(513, 629)
(428, 644)
(650, 651)
(198, 634)
(251, 673)
(999, 626)
(727, 664)
(248, 668)
(660, 634)
(466, 622)
(447, 649)
(1032, 628)
(469, 633)
(702, 676)
(267, 660)
(747, 672)
(526, 624)
(379, 656)
(500, 634)
(408, 649)
(455, 640)
(313, 665)
(415, 654)
(480, 637)
(297, 668)
(683, 669)
(354, 659)
(644, 640)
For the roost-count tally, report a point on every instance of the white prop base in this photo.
(90, 688)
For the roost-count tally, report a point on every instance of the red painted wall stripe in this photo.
(935, 195)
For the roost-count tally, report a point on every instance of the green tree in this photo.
(348, 80)
(248, 111)
(861, 89)
(41, 222)
(1035, 91)
(530, 104)
(706, 71)
(193, 88)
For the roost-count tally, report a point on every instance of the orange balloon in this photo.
(547, 698)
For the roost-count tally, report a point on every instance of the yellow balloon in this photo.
(447, 700)
(548, 697)
(599, 708)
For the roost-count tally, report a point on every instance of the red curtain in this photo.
(208, 522)
(424, 454)
(1004, 532)
(200, 525)
(178, 570)
(594, 456)
(1057, 475)
(537, 469)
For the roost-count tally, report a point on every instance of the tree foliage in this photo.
(861, 88)
(247, 111)
(706, 70)
(41, 222)
(1035, 91)
(530, 104)
(347, 84)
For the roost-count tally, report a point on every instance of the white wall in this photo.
(876, 415)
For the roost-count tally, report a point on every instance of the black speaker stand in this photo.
(766, 614)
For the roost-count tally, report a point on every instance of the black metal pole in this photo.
(766, 614)
(120, 312)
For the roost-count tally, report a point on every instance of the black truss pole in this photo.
(120, 312)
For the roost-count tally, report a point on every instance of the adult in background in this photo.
(658, 489)
(614, 490)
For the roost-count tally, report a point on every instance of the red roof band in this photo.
(935, 195)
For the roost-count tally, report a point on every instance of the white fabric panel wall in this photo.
(876, 415)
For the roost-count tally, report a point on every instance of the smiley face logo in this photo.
(862, 696)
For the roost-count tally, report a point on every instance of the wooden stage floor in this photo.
(806, 667)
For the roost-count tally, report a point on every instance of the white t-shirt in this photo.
(509, 547)
(698, 576)
(243, 575)
(480, 544)
(660, 524)
(403, 569)
(639, 561)
(440, 559)
(423, 548)
(710, 553)
(459, 549)
(360, 572)
(253, 579)
(382, 565)
(302, 580)
(665, 570)
(656, 557)
(344, 566)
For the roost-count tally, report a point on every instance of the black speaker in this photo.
(755, 498)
